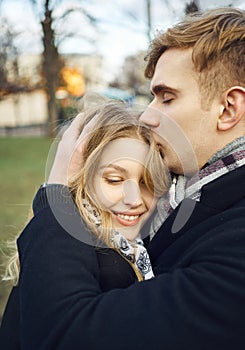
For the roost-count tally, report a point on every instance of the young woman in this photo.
(115, 191)
(117, 187)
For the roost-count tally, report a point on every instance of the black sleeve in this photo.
(10, 326)
(199, 305)
(114, 270)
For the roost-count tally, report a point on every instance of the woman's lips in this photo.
(126, 219)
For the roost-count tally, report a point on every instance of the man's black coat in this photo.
(196, 301)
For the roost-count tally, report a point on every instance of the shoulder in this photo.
(114, 270)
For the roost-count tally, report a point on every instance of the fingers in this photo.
(78, 151)
(74, 129)
(91, 125)
(60, 169)
(69, 156)
(77, 155)
(83, 137)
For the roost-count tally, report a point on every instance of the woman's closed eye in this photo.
(114, 179)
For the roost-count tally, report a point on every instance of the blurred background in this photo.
(52, 52)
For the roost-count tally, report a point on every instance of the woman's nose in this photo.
(131, 193)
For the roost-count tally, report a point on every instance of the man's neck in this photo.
(236, 145)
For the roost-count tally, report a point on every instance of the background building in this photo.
(30, 107)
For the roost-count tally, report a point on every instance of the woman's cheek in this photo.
(107, 194)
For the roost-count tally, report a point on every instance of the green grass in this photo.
(22, 164)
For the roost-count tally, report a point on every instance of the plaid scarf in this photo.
(229, 158)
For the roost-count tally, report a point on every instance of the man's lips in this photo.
(160, 150)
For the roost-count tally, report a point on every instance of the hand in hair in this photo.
(69, 155)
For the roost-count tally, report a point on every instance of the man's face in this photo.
(184, 129)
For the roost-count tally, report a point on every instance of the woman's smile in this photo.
(127, 219)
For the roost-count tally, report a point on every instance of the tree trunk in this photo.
(192, 6)
(51, 69)
(148, 10)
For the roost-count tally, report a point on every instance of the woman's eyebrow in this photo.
(114, 166)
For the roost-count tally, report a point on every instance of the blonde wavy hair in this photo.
(217, 37)
(114, 120)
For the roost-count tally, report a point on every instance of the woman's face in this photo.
(119, 185)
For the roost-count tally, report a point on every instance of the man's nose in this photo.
(151, 117)
(131, 193)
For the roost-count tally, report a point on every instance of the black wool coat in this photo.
(196, 301)
(114, 272)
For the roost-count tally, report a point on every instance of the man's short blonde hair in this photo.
(218, 41)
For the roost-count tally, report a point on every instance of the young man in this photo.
(197, 299)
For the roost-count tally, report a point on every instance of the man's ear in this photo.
(233, 108)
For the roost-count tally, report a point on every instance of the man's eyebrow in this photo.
(114, 166)
(156, 89)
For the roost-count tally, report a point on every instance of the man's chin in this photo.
(175, 167)
(176, 170)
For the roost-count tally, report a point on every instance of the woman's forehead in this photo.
(124, 148)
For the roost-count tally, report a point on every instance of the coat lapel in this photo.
(216, 196)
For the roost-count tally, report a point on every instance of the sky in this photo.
(121, 25)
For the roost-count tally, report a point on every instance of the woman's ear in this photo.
(233, 108)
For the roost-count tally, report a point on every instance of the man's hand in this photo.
(69, 156)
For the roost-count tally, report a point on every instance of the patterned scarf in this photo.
(229, 158)
(134, 252)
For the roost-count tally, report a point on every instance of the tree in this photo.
(6, 46)
(131, 76)
(9, 72)
(52, 62)
(191, 7)
(149, 20)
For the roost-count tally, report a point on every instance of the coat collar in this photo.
(216, 197)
